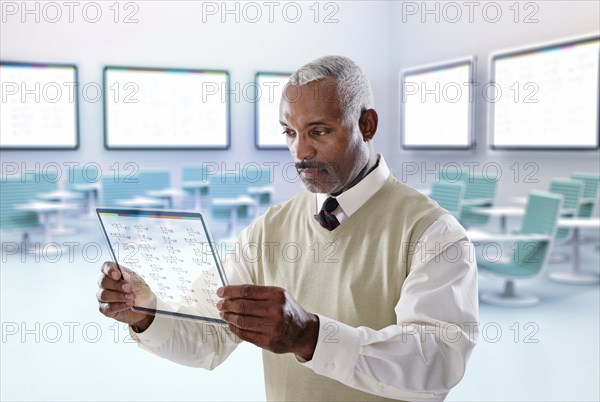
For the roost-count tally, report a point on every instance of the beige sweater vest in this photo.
(352, 274)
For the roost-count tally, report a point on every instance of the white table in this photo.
(523, 200)
(197, 187)
(141, 202)
(478, 236)
(63, 197)
(167, 194)
(563, 211)
(575, 275)
(93, 191)
(44, 210)
(258, 192)
(476, 202)
(235, 204)
(501, 212)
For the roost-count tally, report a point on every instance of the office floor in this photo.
(56, 346)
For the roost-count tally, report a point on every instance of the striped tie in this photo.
(325, 216)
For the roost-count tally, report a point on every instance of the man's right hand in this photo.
(117, 295)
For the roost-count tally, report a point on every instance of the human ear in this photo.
(368, 124)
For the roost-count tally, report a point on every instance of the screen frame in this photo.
(501, 54)
(75, 102)
(256, 111)
(160, 213)
(471, 62)
(109, 147)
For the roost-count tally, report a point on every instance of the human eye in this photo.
(288, 133)
(319, 132)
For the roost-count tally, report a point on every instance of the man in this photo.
(375, 308)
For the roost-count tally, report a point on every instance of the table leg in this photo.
(60, 228)
(92, 201)
(197, 199)
(46, 223)
(234, 217)
(575, 276)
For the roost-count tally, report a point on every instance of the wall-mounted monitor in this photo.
(546, 97)
(268, 131)
(158, 108)
(436, 105)
(39, 106)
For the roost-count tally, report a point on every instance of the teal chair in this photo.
(127, 186)
(589, 199)
(86, 181)
(530, 246)
(119, 186)
(16, 191)
(78, 176)
(236, 184)
(154, 179)
(571, 190)
(480, 191)
(192, 175)
(448, 196)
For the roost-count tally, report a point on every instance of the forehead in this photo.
(317, 99)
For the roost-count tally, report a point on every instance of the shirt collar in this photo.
(354, 198)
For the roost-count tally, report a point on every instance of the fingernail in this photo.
(222, 314)
(220, 292)
(126, 287)
(130, 296)
(115, 275)
(220, 305)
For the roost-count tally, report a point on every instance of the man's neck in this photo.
(371, 164)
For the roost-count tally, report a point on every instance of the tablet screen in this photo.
(170, 259)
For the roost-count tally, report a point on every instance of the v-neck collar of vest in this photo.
(358, 216)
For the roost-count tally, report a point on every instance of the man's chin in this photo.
(314, 186)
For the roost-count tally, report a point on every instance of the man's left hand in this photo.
(270, 318)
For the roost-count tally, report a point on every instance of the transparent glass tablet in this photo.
(170, 259)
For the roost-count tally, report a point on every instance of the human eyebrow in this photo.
(316, 123)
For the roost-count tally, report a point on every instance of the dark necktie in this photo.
(325, 216)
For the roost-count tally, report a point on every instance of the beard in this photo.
(321, 177)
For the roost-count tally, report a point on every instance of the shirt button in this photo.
(380, 387)
(331, 366)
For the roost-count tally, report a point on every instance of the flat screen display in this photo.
(39, 106)
(437, 106)
(150, 108)
(546, 97)
(268, 131)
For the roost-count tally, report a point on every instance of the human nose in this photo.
(304, 148)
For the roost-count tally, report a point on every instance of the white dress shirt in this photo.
(437, 318)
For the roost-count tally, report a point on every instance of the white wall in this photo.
(174, 35)
(372, 33)
(419, 39)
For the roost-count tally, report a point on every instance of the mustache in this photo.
(311, 165)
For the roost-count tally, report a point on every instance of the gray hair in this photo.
(353, 87)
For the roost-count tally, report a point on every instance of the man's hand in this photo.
(270, 318)
(117, 295)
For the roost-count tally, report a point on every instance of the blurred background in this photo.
(490, 108)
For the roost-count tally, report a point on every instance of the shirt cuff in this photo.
(158, 332)
(337, 350)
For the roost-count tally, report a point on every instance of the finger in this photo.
(105, 282)
(112, 309)
(111, 296)
(110, 269)
(249, 292)
(247, 323)
(256, 338)
(256, 308)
